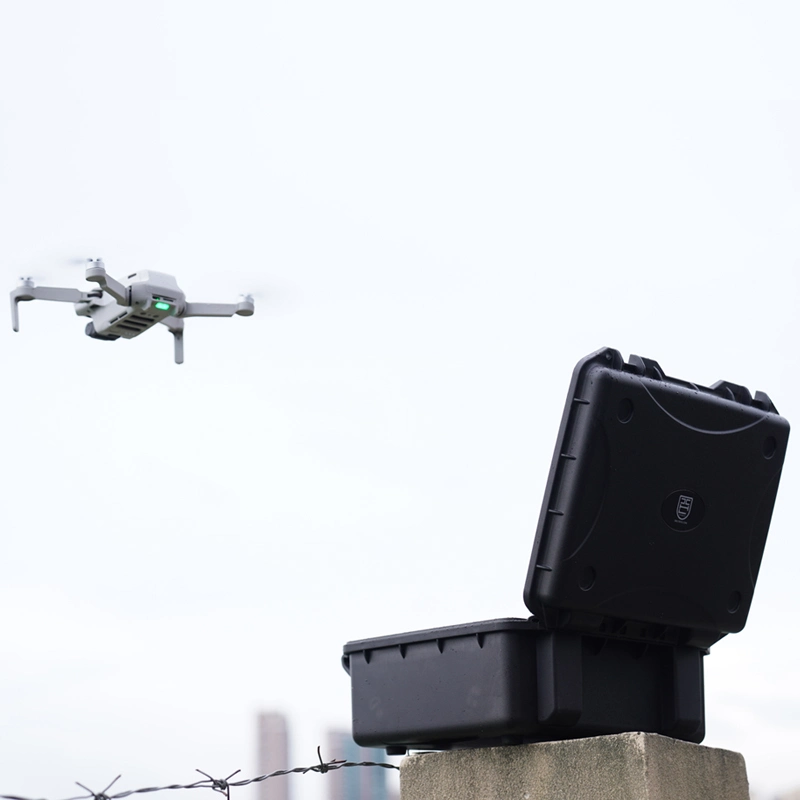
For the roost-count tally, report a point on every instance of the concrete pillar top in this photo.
(626, 766)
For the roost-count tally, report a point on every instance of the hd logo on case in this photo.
(683, 510)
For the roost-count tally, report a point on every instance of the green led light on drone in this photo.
(163, 306)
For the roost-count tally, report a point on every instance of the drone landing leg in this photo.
(178, 346)
(14, 313)
(176, 329)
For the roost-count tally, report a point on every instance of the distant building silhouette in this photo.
(273, 754)
(352, 783)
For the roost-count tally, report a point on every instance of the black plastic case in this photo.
(509, 681)
(657, 505)
(647, 551)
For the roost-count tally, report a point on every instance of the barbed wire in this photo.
(221, 785)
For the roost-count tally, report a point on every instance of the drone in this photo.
(125, 310)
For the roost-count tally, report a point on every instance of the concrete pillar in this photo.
(627, 766)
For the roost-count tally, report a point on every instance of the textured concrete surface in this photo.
(628, 766)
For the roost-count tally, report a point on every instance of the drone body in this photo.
(124, 310)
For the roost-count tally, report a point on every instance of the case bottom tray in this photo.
(507, 681)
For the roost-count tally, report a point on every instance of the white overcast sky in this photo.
(441, 206)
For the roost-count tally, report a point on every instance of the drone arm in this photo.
(97, 274)
(30, 292)
(244, 308)
(176, 329)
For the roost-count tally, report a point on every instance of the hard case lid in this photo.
(657, 506)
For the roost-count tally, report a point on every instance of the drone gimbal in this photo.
(118, 310)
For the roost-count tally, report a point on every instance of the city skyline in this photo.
(273, 749)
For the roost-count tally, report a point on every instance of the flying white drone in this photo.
(125, 310)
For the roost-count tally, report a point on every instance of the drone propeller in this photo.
(272, 297)
(73, 262)
(56, 266)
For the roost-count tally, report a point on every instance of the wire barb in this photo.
(325, 766)
(99, 795)
(220, 785)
